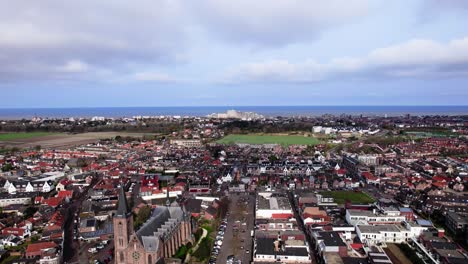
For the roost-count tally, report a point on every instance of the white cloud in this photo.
(74, 66)
(153, 76)
(275, 23)
(36, 38)
(415, 58)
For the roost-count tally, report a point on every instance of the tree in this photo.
(272, 158)
(7, 167)
(142, 216)
(29, 212)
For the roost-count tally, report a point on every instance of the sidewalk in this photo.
(187, 258)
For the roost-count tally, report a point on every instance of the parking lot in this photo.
(102, 253)
(237, 240)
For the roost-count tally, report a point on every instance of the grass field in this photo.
(22, 135)
(284, 140)
(355, 197)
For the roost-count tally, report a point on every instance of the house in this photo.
(65, 194)
(408, 213)
(373, 235)
(227, 178)
(278, 250)
(193, 206)
(39, 249)
(28, 186)
(315, 216)
(359, 217)
(210, 213)
(7, 199)
(10, 240)
(19, 232)
(456, 223)
(329, 242)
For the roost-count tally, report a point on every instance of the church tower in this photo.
(123, 229)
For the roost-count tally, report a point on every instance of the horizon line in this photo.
(200, 106)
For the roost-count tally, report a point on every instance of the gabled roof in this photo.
(40, 246)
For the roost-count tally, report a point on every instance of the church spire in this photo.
(168, 201)
(122, 209)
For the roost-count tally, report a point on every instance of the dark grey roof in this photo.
(293, 251)
(331, 239)
(193, 205)
(162, 222)
(265, 246)
(122, 208)
(159, 216)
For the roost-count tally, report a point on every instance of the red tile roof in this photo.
(37, 247)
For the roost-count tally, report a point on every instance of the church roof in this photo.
(163, 221)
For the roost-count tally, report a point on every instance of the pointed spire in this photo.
(122, 208)
(168, 201)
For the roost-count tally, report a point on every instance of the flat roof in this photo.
(379, 228)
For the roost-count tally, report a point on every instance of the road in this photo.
(237, 238)
(300, 224)
(72, 246)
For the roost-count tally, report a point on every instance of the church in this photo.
(167, 229)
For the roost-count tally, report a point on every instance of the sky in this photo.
(118, 53)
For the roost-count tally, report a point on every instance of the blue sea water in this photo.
(27, 113)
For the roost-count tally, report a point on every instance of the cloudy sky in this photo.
(222, 52)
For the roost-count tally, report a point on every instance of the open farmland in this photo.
(22, 135)
(56, 140)
(355, 197)
(285, 140)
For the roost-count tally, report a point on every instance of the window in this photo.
(120, 228)
(150, 259)
(122, 258)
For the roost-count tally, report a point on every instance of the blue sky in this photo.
(219, 52)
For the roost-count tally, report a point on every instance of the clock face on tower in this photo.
(136, 255)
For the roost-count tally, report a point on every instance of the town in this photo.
(235, 188)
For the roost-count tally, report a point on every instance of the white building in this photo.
(268, 207)
(27, 186)
(374, 234)
(227, 178)
(273, 250)
(369, 160)
(10, 199)
(360, 217)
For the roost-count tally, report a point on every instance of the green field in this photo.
(284, 140)
(22, 135)
(355, 197)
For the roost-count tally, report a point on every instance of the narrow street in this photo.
(70, 245)
(301, 226)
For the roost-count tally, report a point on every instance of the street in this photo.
(237, 238)
(301, 226)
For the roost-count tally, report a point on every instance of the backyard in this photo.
(355, 197)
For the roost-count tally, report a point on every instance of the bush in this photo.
(181, 252)
(204, 249)
(198, 234)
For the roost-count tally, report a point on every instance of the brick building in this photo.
(164, 232)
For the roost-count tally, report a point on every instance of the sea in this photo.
(269, 111)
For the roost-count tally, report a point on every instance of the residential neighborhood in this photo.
(388, 196)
